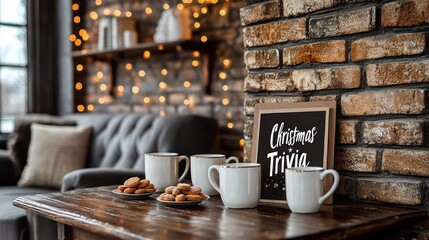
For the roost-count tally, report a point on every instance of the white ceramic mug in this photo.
(304, 188)
(239, 184)
(200, 164)
(162, 169)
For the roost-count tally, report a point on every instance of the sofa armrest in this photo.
(7, 169)
(94, 177)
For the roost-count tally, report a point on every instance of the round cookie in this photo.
(169, 197)
(150, 186)
(169, 189)
(193, 191)
(180, 198)
(122, 187)
(150, 190)
(130, 190)
(162, 196)
(132, 182)
(193, 197)
(184, 186)
(140, 191)
(144, 183)
(176, 191)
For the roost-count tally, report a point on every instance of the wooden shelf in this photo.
(140, 48)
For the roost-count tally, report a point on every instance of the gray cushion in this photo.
(13, 220)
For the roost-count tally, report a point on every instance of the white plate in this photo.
(131, 196)
(183, 203)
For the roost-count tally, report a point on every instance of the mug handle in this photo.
(334, 185)
(183, 157)
(212, 180)
(230, 159)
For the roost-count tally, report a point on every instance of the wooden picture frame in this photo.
(292, 135)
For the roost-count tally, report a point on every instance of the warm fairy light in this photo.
(186, 102)
(162, 113)
(106, 11)
(120, 88)
(80, 108)
(225, 101)
(160, 47)
(230, 125)
(103, 87)
(93, 15)
(90, 107)
(128, 14)
(85, 37)
(146, 54)
(226, 62)
(166, 6)
(222, 12)
(162, 85)
(203, 38)
(98, 2)
(186, 84)
(142, 73)
(241, 142)
(101, 100)
(75, 7)
(222, 75)
(203, 10)
(135, 89)
(79, 67)
(180, 6)
(196, 54)
(72, 37)
(148, 10)
(84, 51)
(196, 15)
(129, 66)
(161, 99)
(146, 100)
(76, 19)
(164, 72)
(82, 32)
(78, 86)
(195, 63)
(197, 25)
(214, 1)
(100, 74)
(117, 13)
(78, 42)
(225, 87)
(201, 1)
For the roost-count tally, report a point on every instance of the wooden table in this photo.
(97, 213)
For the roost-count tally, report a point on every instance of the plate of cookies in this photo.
(135, 188)
(182, 195)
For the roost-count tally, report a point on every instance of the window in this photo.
(13, 62)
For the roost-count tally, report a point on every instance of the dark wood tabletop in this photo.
(100, 212)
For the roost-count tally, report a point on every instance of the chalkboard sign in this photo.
(291, 135)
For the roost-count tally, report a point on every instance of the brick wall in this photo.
(372, 57)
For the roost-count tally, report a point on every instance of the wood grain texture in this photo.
(99, 212)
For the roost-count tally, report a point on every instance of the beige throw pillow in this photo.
(54, 151)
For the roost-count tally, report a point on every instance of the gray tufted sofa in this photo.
(117, 147)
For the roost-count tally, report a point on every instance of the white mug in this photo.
(199, 170)
(240, 184)
(304, 188)
(162, 169)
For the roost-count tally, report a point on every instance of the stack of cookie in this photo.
(182, 192)
(135, 185)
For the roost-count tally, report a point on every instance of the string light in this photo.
(196, 15)
(204, 38)
(162, 113)
(76, 19)
(148, 10)
(103, 87)
(164, 72)
(75, 7)
(106, 11)
(225, 101)
(166, 6)
(120, 88)
(203, 10)
(201, 1)
(214, 1)
(226, 62)
(98, 2)
(142, 73)
(195, 63)
(230, 125)
(78, 86)
(162, 85)
(186, 102)
(117, 13)
(78, 42)
(186, 84)
(196, 54)
(197, 25)
(222, 75)
(100, 74)
(90, 107)
(146, 54)
(82, 32)
(180, 7)
(222, 12)
(128, 14)
(160, 47)
(135, 89)
(79, 67)
(129, 66)
(241, 142)
(72, 37)
(146, 100)
(80, 108)
(85, 37)
(93, 15)
(161, 99)
(101, 100)
(225, 87)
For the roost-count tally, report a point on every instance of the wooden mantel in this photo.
(97, 213)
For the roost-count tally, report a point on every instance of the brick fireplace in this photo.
(371, 57)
